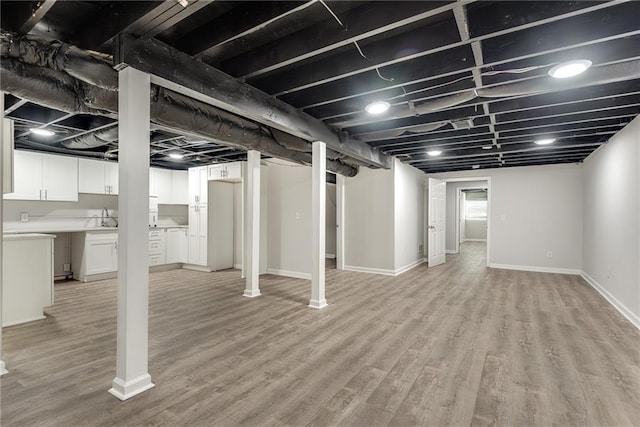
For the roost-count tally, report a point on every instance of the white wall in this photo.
(534, 210)
(289, 219)
(409, 191)
(450, 216)
(330, 222)
(611, 253)
(369, 221)
(475, 229)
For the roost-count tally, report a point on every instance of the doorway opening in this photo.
(468, 223)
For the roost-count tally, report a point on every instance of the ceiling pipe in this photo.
(58, 90)
(599, 75)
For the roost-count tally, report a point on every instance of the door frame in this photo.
(489, 197)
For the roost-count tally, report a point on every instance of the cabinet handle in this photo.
(45, 195)
(115, 245)
(40, 195)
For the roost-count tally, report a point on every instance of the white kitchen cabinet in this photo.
(97, 177)
(198, 185)
(94, 253)
(180, 187)
(220, 226)
(160, 184)
(225, 172)
(171, 186)
(27, 277)
(198, 237)
(177, 245)
(39, 176)
(157, 254)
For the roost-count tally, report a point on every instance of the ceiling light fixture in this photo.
(546, 141)
(377, 107)
(176, 156)
(570, 68)
(434, 153)
(183, 3)
(475, 167)
(42, 132)
(487, 147)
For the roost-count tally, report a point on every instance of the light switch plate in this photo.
(24, 217)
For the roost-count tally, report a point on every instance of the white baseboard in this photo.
(384, 272)
(450, 251)
(287, 273)
(3, 368)
(536, 269)
(124, 390)
(196, 268)
(21, 321)
(237, 266)
(631, 317)
(474, 240)
(332, 256)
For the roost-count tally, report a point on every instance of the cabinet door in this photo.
(91, 176)
(203, 237)
(179, 187)
(60, 178)
(102, 255)
(27, 168)
(234, 170)
(215, 172)
(194, 224)
(194, 185)
(111, 177)
(204, 184)
(173, 245)
(184, 245)
(163, 186)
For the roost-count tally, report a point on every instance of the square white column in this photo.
(318, 216)
(132, 377)
(251, 262)
(3, 369)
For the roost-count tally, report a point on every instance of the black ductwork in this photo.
(64, 78)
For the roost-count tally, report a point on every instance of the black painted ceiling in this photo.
(331, 58)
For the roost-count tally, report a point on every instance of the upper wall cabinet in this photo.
(97, 177)
(225, 172)
(171, 186)
(198, 185)
(39, 176)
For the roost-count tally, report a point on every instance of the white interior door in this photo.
(436, 222)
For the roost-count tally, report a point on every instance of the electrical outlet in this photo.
(503, 217)
(24, 217)
(297, 215)
(66, 267)
(420, 248)
(549, 254)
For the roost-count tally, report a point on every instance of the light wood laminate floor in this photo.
(458, 344)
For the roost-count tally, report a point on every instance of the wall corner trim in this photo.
(628, 314)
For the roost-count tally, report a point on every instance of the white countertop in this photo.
(77, 229)
(27, 236)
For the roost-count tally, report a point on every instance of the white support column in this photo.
(251, 262)
(318, 216)
(340, 222)
(132, 375)
(3, 369)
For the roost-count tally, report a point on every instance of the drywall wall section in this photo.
(288, 219)
(611, 253)
(369, 221)
(452, 193)
(536, 217)
(409, 191)
(330, 221)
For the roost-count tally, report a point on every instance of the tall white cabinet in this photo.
(211, 218)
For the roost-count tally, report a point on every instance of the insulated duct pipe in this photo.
(58, 90)
(603, 74)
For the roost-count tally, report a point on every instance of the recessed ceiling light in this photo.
(546, 141)
(377, 107)
(176, 156)
(42, 132)
(475, 167)
(570, 68)
(487, 147)
(434, 153)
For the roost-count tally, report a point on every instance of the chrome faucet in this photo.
(105, 217)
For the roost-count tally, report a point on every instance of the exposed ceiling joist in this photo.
(185, 74)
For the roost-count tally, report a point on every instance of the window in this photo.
(475, 209)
